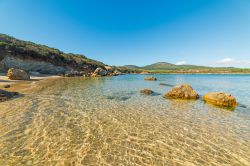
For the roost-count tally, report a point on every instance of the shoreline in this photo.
(23, 86)
(36, 81)
(195, 73)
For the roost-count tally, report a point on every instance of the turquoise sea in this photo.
(106, 121)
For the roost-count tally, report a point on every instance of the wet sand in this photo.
(23, 85)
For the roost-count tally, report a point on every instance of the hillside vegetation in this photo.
(28, 50)
(164, 67)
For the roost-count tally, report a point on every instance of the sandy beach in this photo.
(22, 85)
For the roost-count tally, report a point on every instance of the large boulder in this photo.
(220, 99)
(183, 91)
(18, 74)
(150, 78)
(4, 95)
(99, 72)
(147, 91)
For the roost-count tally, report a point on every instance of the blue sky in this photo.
(140, 32)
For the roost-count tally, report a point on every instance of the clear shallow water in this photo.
(106, 121)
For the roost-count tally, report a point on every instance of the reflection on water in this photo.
(106, 121)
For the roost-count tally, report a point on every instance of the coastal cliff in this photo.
(15, 53)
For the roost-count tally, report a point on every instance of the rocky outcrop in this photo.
(183, 91)
(116, 73)
(32, 57)
(150, 78)
(99, 72)
(4, 95)
(74, 74)
(32, 65)
(146, 91)
(18, 74)
(220, 99)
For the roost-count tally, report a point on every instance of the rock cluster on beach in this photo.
(18, 74)
(107, 71)
(98, 72)
(220, 99)
(183, 91)
(74, 73)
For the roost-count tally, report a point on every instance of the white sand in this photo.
(4, 80)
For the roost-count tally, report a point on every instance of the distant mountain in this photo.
(159, 66)
(165, 67)
(131, 66)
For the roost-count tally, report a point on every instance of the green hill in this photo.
(25, 50)
(159, 66)
(165, 67)
(131, 66)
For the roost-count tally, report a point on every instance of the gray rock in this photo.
(18, 74)
(99, 72)
(32, 65)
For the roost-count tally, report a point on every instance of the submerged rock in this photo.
(150, 78)
(120, 96)
(183, 91)
(242, 105)
(220, 99)
(147, 91)
(4, 95)
(164, 84)
(7, 86)
(18, 74)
